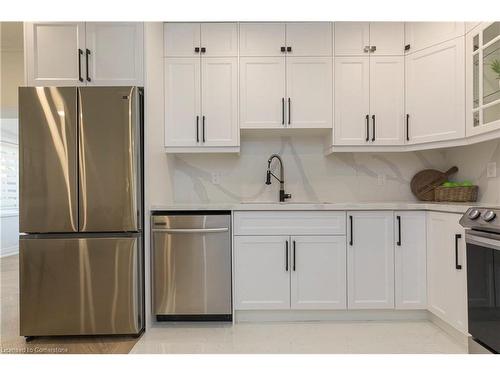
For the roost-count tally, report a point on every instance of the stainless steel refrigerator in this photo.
(81, 211)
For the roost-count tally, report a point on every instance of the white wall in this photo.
(11, 77)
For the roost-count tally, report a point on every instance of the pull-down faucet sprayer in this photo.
(281, 180)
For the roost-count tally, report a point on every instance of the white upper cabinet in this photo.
(262, 39)
(114, 53)
(446, 269)
(181, 39)
(219, 39)
(309, 92)
(370, 260)
(352, 38)
(280, 39)
(182, 102)
(352, 100)
(55, 53)
(200, 39)
(420, 35)
(309, 39)
(387, 100)
(261, 272)
(410, 260)
(435, 92)
(77, 53)
(262, 92)
(374, 38)
(387, 38)
(318, 272)
(219, 124)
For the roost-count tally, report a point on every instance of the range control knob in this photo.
(474, 214)
(489, 216)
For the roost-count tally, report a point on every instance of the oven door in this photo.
(483, 287)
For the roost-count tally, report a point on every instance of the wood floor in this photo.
(11, 342)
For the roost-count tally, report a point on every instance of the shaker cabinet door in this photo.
(318, 272)
(55, 53)
(370, 260)
(261, 272)
(309, 92)
(262, 92)
(115, 52)
(219, 122)
(182, 102)
(352, 100)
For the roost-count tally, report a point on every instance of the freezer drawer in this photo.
(47, 159)
(80, 286)
(192, 266)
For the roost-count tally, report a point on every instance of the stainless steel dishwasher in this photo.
(192, 266)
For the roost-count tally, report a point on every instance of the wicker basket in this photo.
(455, 194)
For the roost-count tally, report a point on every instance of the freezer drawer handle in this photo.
(194, 230)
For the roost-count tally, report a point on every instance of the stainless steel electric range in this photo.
(483, 278)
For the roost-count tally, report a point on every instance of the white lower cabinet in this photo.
(370, 260)
(374, 260)
(261, 273)
(410, 274)
(289, 272)
(318, 273)
(446, 269)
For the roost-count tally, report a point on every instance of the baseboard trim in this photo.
(328, 315)
(459, 336)
(8, 251)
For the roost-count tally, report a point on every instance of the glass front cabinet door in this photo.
(483, 78)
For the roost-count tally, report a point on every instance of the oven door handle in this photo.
(482, 241)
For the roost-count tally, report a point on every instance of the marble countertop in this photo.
(308, 206)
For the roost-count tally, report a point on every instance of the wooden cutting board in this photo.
(424, 182)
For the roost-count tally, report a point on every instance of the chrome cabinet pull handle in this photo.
(197, 129)
(286, 256)
(289, 111)
(294, 258)
(407, 127)
(351, 240)
(399, 230)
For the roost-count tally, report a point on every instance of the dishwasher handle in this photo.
(192, 230)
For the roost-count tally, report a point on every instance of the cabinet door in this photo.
(309, 89)
(352, 100)
(318, 272)
(435, 92)
(55, 53)
(420, 35)
(182, 102)
(261, 272)
(181, 39)
(446, 285)
(115, 53)
(370, 260)
(352, 38)
(387, 38)
(219, 39)
(387, 99)
(410, 260)
(309, 38)
(262, 39)
(262, 92)
(219, 126)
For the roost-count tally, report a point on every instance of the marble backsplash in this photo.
(311, 176)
